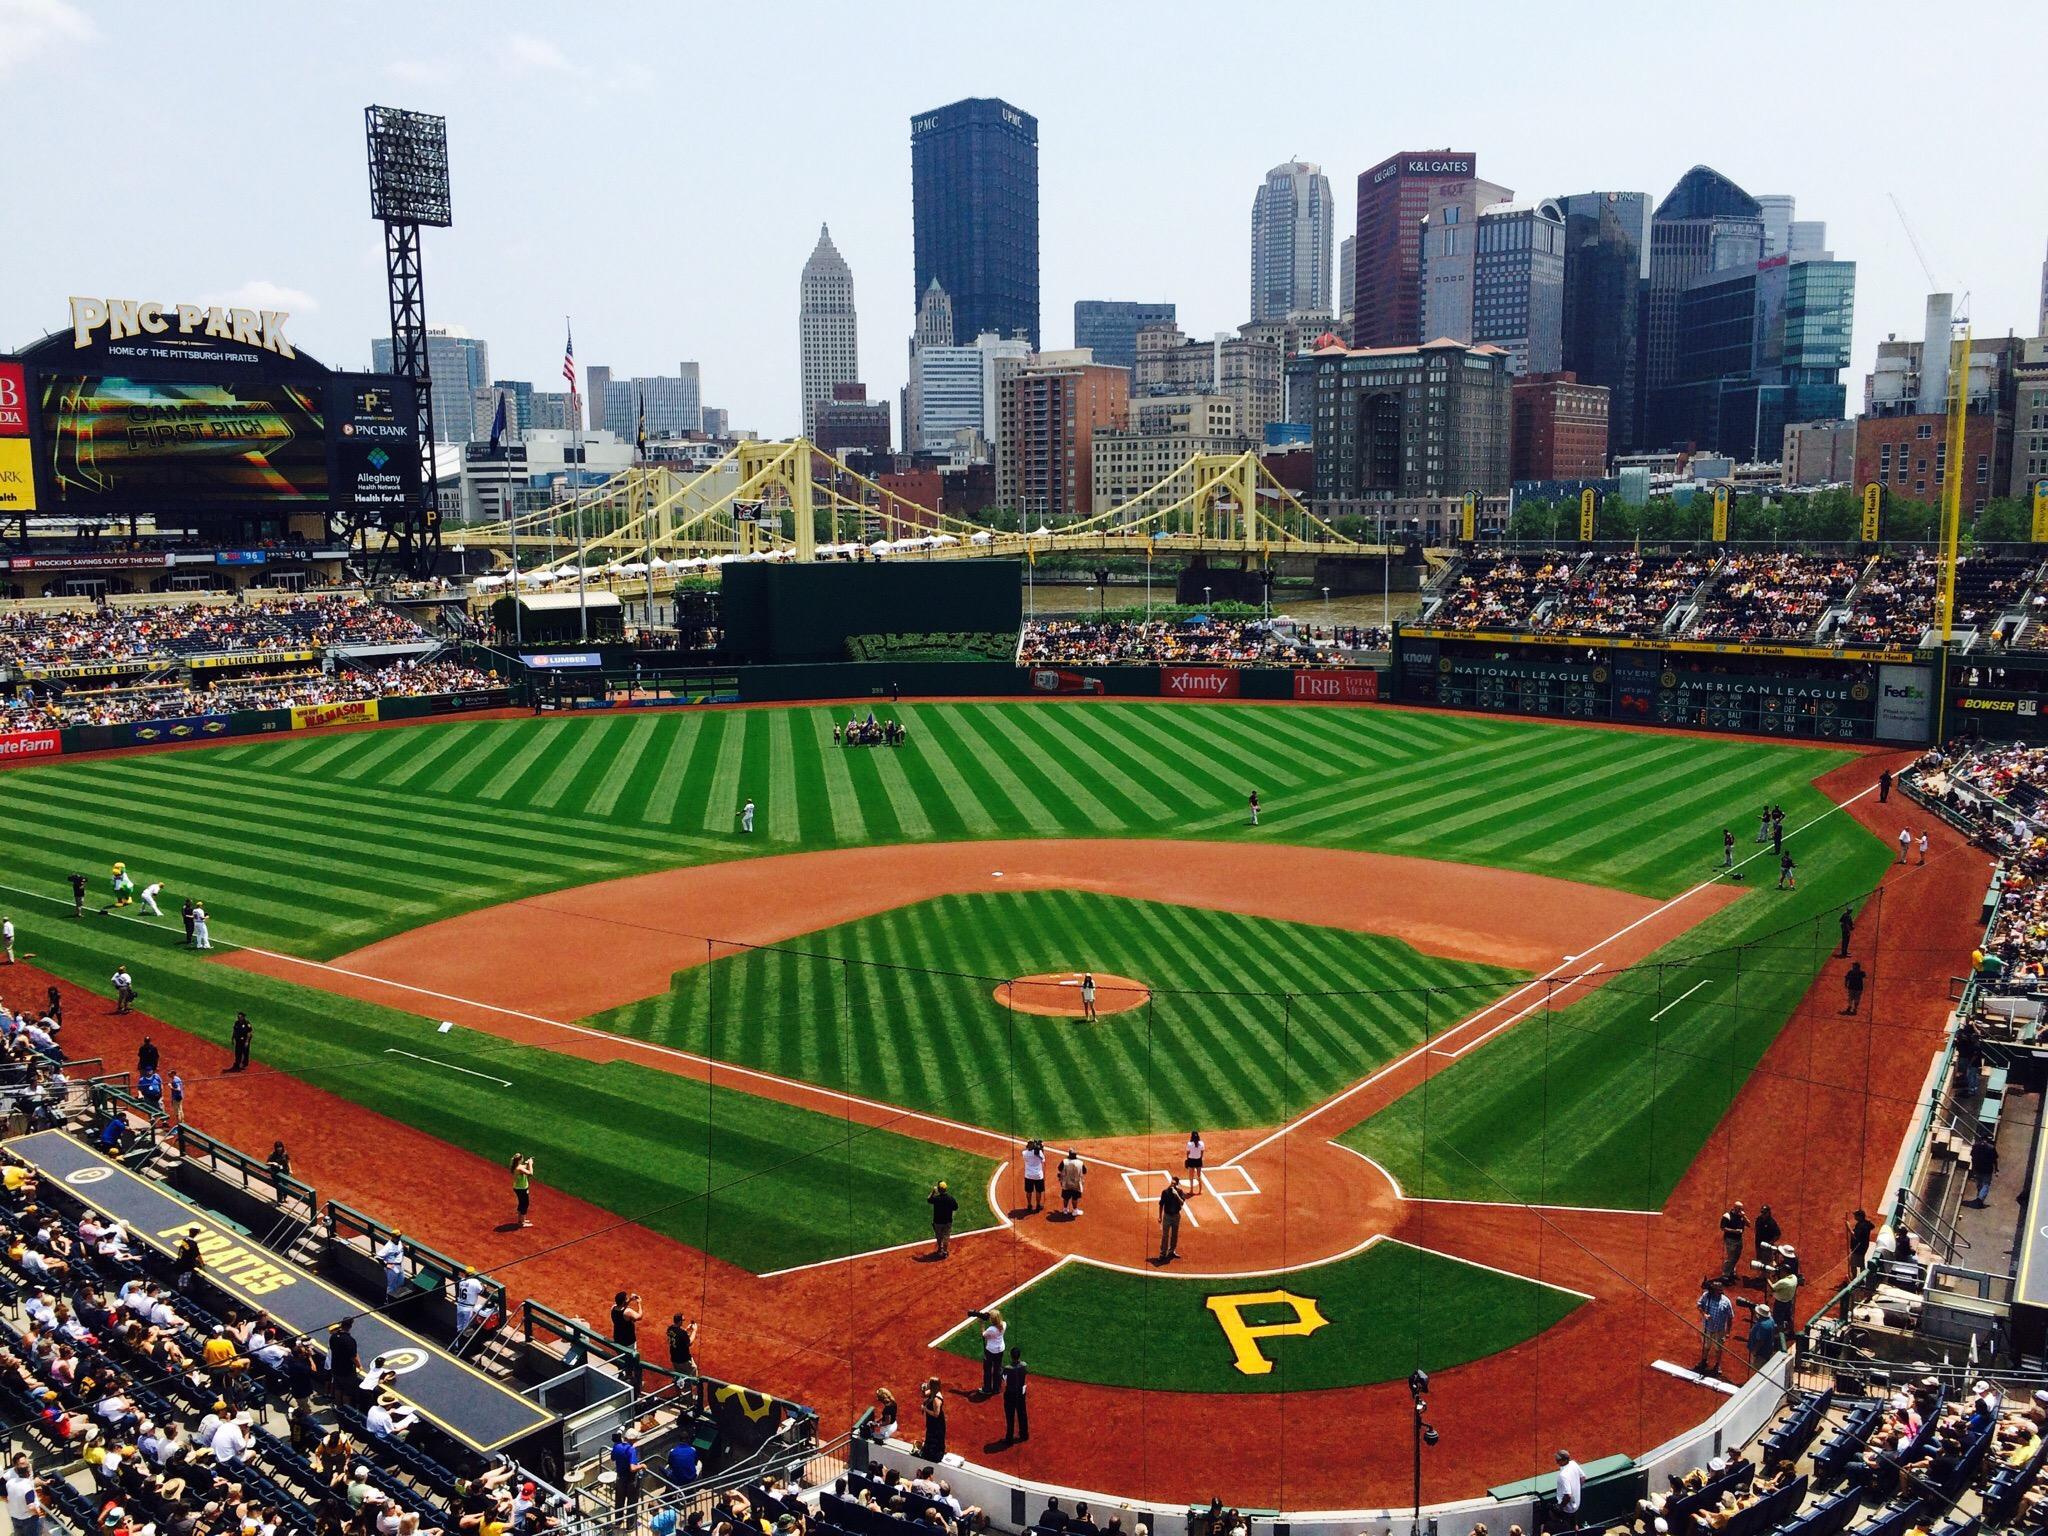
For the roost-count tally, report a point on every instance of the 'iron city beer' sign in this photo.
(125, 318)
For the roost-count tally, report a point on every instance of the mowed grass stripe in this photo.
(1219, 762)
(725, 743)
(198, 834)
(1064, 794)
(917, 816)
(443, 743)
(683, 765)
(927, 1033)
(1137, 771)
(618, 773)
(500, 760)
(437, 816)
(386, 746)
(842, 801)
(966, 788)
(973, 735)
(1125, 798)
(781, 808)
(577, 754)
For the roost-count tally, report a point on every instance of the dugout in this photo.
(1801, 692)
(872, 610)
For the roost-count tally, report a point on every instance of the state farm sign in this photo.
(1198, 682)
(15, 745)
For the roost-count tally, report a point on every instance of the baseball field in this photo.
(1459, 960)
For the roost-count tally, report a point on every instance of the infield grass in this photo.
(1265, 1018)
(1385, 1310)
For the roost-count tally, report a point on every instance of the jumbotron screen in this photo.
(117, 441)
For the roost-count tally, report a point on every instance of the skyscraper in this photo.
(1606, 259)
(934, 317)
(673, 405)
(827, 337)
(1518, 284)
(974, 208)
(1447, 255)
(1706, 224)
(1777, 209)
(1291, 224)
(1109, 327)
(1347, 281)
(1393, 199)
(459, 364)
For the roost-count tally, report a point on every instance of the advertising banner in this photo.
(99, 669)
(1905, 703)
(1350, 686)
(17, 476)
(241, 557)
(1058, 680)
(252, 659)
(17, 746)
(138, 559)
(146, 733)
(1198, 682)
(375, 463)
(306, 717)
(548, 659)
(13, 401)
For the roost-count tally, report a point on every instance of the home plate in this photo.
(1693, 1376)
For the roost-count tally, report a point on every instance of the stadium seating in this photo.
(1198, 641)
(33, 710)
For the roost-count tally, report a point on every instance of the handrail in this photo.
(215, 1152)
(344, 1222)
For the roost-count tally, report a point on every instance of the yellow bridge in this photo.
(793, 501)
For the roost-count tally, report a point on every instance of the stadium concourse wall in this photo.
(29, 746)
(1014, 1502)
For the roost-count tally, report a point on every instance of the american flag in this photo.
(569, 359)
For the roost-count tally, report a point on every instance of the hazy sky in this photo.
(659, 171)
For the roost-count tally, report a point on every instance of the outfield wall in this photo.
(29, 746)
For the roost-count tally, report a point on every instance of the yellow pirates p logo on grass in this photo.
(1244, 1337)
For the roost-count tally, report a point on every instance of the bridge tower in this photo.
(1227, 487)
(765, 467)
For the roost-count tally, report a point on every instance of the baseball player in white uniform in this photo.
(747, 817)
(149, 895)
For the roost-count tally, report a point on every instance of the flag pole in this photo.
(575, 502)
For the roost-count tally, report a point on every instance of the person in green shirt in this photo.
(522, 1184)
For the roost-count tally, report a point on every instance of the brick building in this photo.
(1045, 439)
(1559, 429)
(851, 422)
(1400, 424)
(1393, 199)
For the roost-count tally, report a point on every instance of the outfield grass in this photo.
(911, 1020)
(1387, 1310)
(1608, 1101)
(317, 844)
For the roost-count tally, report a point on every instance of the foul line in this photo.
(1688, 992)
(1435, 1046)
(1492, 1205)
(435, 1061)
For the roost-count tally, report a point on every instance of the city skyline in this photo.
(648, 282)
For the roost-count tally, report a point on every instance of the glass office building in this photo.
(974, 211)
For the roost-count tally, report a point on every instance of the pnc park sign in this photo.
(121, 319)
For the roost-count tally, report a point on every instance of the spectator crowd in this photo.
(34, 710)
(168, 631)
(1195, 642)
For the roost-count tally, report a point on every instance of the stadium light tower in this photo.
(408, 192)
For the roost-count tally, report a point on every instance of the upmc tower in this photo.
(1394, 197)
(974, 198)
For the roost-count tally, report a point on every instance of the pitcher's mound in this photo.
(1059, 995)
